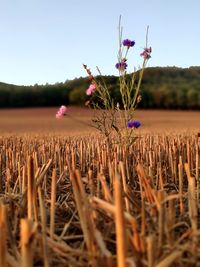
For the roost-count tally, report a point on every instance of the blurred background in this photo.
(44, 44)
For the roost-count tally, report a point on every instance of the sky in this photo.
(47, 41)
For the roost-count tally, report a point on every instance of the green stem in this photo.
(139, 83)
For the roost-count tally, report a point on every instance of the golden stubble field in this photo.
(69, 199)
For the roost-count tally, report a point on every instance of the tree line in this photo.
(162, 88)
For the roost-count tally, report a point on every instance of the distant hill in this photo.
(162, 87)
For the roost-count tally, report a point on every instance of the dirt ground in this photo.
(42, 120)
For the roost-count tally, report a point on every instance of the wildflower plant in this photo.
(116, 120)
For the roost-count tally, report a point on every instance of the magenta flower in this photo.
(91, 89)
(134, 124)
(121, 65)
(61, 112)
(146, 54)
(128, 43)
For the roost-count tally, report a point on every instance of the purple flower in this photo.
(146, 54)
(128, 43)
(121, 65)
(134, 124)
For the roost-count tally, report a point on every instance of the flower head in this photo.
(61, 112)
(128, 43)
(146, 54)
(121, 65)
(134, 124)
(91, 89)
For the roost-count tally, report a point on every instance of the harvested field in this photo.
(68, 199)
(42, 120)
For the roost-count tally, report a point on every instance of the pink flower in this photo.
(61, 112)
(91, 89)
(146, 54)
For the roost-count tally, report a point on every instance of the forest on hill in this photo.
(162, 88)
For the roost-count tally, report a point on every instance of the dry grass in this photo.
(74, 201)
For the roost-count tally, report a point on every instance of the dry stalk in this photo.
(19, 177)
(43, 222)
(106, 190)
(148, 191)
(3, 236)
(188, 156)
(171, 258)
(180, 175)
(120, 224)
(110, 209)
(24, 180)
(26, 229)
(8, 181)
(124, 182)
(91, 182)
(170, 219)
(161, 220)
(53, 202)
(193, 212)
(161, 184)
(83, 208)
(150, 250)
(40, 177)
(31, 188)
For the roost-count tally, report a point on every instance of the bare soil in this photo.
(42, 120)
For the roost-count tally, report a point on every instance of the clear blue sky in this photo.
(46, 41)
